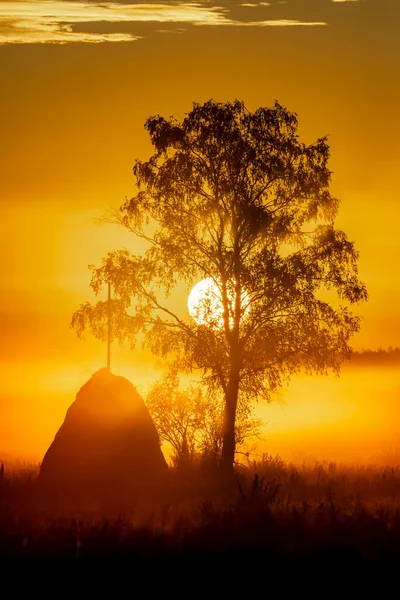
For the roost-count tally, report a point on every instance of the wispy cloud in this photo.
(277, 23)
(55, 21)
(47, 21)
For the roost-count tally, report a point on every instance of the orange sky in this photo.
(72, 116)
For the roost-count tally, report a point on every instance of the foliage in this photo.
(234, 196)
(190, 420)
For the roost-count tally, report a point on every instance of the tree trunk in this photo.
(228, 437)
(232, 391)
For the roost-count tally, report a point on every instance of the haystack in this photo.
(107, 447)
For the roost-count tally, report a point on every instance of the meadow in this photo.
(309, 510)
(278, 512)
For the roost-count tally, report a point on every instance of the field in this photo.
(278, 513)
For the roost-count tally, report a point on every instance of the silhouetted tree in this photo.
(190, 420)
(234, 196)
(179, 415)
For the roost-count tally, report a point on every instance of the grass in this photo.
(278, 513)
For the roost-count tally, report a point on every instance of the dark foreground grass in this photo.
(277, 515)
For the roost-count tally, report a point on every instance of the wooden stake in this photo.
(109, 329)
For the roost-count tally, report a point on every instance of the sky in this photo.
(79, 79)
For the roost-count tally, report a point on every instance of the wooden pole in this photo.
(109, 329)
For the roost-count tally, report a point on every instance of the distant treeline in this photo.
(379, 356)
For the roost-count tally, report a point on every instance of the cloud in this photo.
(276, 23)
(54, 21)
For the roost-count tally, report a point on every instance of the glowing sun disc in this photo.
(205, 303)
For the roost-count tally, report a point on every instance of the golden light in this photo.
(205, 304)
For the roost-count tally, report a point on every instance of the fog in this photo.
(353, 418)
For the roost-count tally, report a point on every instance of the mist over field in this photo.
(350, 419)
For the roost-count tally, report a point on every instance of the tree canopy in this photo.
(234, 196)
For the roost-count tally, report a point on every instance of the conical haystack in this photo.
(108, 446)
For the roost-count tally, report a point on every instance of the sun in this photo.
(205, 304)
